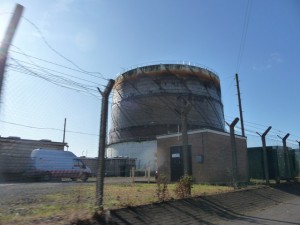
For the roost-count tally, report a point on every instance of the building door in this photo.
(177, 162)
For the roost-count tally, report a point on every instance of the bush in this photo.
(183, 187)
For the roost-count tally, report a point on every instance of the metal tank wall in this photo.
(147, 101)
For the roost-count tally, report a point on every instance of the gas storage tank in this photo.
(149, 101)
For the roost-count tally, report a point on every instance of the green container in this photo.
(276, 163)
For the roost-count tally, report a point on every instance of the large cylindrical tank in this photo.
(149, 100)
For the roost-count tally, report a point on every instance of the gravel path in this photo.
(11, 192)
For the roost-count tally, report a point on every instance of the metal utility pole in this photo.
(240, 103)
(286, 157)
(102, 144)
(64, 130)
(265, 157)
(10, 32)
(185, 144)
(234, 154)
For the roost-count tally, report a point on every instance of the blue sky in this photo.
(110, 36)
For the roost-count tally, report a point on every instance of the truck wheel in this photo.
(47, 176)
(84, 177)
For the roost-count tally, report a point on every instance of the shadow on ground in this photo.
(203, 210)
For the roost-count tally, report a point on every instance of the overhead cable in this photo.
(47, 128)
(57, 52)
(244, 35)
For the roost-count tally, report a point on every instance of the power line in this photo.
(73, 85)
(52, 70)
(53, 63)
(19, 62)
(66, 81)
(57, 52)
(47, 128)
(244, 35)
(46, 74)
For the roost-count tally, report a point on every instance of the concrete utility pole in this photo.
(234, 154)
(185, 144)
(240, 103)
(265, 157)
(102, 144)
(64, 136)
(286, 157)
(10, 32)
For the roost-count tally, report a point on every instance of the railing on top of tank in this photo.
(157, 62)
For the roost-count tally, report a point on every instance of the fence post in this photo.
(133, 174)
(148, 174)
(102, 144)
(233, 149)
(286, 157)
(265, 156)
(298, 144)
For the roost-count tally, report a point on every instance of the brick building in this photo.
(210, 156)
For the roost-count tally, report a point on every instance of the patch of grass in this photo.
(132, 194)
(206, 189)
(78, 201)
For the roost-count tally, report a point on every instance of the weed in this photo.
(162, 188)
